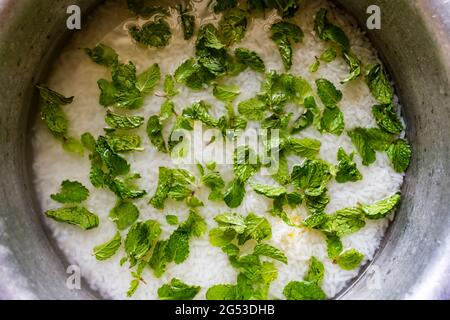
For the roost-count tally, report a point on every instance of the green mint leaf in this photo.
(55, 119)
(257, 228)
(315, 272)
(124, 190)
(304, 147)
(170, 86)
(226, 93)
(121, 143)
(159, 260)
(71, 192)
(52, 97)
(346, 169)
(329, 32)
(367, 141)
(103, 55)
(199, 111)
(284, 34)
(328, 94)
(145, 9)
(115, 163)
(355, 66)
(177, 290)
(271, 192)
(222, 292)
(232, 221)
(154, 132)
(344, 222)
(108, 249)
(379, 85)
(387, 119)
(332, 121)
(187, 22)
(328, 55)
(219, 237)
(73, 145)
(118, 121)
(334, 246)
(296, 290)
(312, 176)
(134, 284)
(311, 115)
(286, 8)
(313, 67)
(232, 26)
(154, 34)
(382, 208)
(267, 250)
(141, 237)
(399, 152)
(149, 79)
(124, 214)
(108, 92)
(252, 109)
(316, 204)
(172, 219)
(88, 141)
(167, 110)
(251, 59)
(350, 259)
(77, 216)
(245, 163)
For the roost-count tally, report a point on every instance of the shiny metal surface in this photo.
(414, 43)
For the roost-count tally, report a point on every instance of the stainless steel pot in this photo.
(414, 42)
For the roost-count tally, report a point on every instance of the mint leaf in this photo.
(199, 111)
(311, 115)
(252, 109)
(144, 9)
(103, 55)
(71, 192)
(399, 152)
(170, 86)
(220, 237)
(232, 26)
(154, 132)
(328, 55)
(222, 292)
(315, 272)
(346, 168)
(379, 84)
(118, 121)
(318, 203)
(344, 222)
(251, 59)
(267, 250)
(140, 238)
(52, 97)
(245, 163)
(387, 119)
(124, 214)
(154, 34)
(350, 259)
(88, 141)
(172, 219)
(328, 94)
(149, 79)
(232, 221)
(296, 290)
(332, 121)
(269, 191)
(55, 119)
(177, 290)
(382, 208)
(329, 32)
(73, 145)
(334, 246)
(257, 228)
(187, 22)
(304, 147)
(284, 34)
(226, 93)
(355, 66)
(367, 141)
(77, 216)
(286, 8)
(121, 143)
(108, 249)
(313, 67)
(312, 176)
(234, 194)
(115, 163)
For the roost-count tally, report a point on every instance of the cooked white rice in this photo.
(74, 74)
